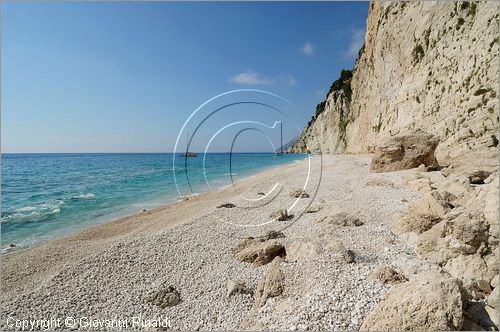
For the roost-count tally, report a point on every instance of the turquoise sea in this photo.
(49, 195)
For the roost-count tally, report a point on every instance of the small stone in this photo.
(166, 297)
(433, 168)
(281, 215)
(313, 209)
(344, 219)
(274, 235)
(380, 183)
(258, 252)
(299, 194)
(340, 253)
(237, 287)
(385, 274)
(226, 205)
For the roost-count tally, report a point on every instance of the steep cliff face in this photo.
(428, 65)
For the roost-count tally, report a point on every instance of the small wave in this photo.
(83, 196)
(33, 213)
(26, 209)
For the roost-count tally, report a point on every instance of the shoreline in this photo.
(111, 229)
(127, 212)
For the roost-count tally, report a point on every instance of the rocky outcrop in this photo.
(427, 65)
(456, 227)
(428, 302)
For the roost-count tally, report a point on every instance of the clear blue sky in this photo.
(123, 76)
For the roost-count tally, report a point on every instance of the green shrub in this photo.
(472, 9)
(464, 5)
(495, 140)
(343, 83)
(493, 43)
(480, 91)
(418, 53)
(460, 22)
(320, 108)
(361, 50)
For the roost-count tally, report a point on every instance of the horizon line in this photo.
(132, 152)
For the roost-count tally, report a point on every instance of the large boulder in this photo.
(456, 185)
(469, 162)
(428, 302)
(473, 272)
(423, 214)
(405, 151)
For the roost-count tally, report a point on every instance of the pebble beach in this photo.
(111, 271)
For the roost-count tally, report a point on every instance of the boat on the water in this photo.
(190, 154)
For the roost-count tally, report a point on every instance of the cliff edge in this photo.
(424, 65)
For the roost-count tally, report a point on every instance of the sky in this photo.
(125, 76)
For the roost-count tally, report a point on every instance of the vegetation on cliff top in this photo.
(343, 83)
